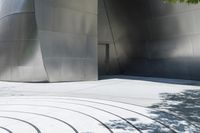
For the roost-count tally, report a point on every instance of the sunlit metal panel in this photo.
(20, 54)
(68, 36)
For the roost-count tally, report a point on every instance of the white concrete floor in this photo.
(116, 105)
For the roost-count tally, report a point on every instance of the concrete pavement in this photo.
(115, 105)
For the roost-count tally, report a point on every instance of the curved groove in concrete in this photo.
(30, 124)
(7, 130)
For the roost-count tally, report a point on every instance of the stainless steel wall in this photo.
(56, 40)
(153, 38)
(48, 40)
(174, 40)
(20, 54)
(105, 37)
(68, 38)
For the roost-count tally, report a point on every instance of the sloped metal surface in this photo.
(20, 55)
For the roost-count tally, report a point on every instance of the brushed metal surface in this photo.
(20, 54)
(48, 40)
(152, 38)
(68, 36)
(56, 40)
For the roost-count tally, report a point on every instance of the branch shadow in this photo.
(185, 104)
(179, 112)
(126, 128)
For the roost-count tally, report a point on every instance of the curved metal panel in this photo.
(9, 7)
(58, 38)
(68, 37)
(20, 54)
(60, 47)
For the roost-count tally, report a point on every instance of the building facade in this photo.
(73, 40)
(48, 40)
(151, 38)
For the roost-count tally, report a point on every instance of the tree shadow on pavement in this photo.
(185, 104)
(177, 112)
(141, 126)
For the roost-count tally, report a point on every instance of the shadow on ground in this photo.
(178, 112)
(142, 127)
(154, 79)
(185, 104)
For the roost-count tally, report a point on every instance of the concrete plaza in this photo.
(112, 105)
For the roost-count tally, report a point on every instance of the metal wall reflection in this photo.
(152, 38)
(48, 40)
(20, 55)
(56, 40)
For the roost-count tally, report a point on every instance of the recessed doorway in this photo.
(103, 58)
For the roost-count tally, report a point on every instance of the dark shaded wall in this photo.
(153, 38)
(105, 36)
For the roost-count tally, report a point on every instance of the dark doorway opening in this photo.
(103, 58)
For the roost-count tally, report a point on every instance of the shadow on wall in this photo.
(154, 39)
(170, 47)
(126, 20)
(129, 22)
(128, 26)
